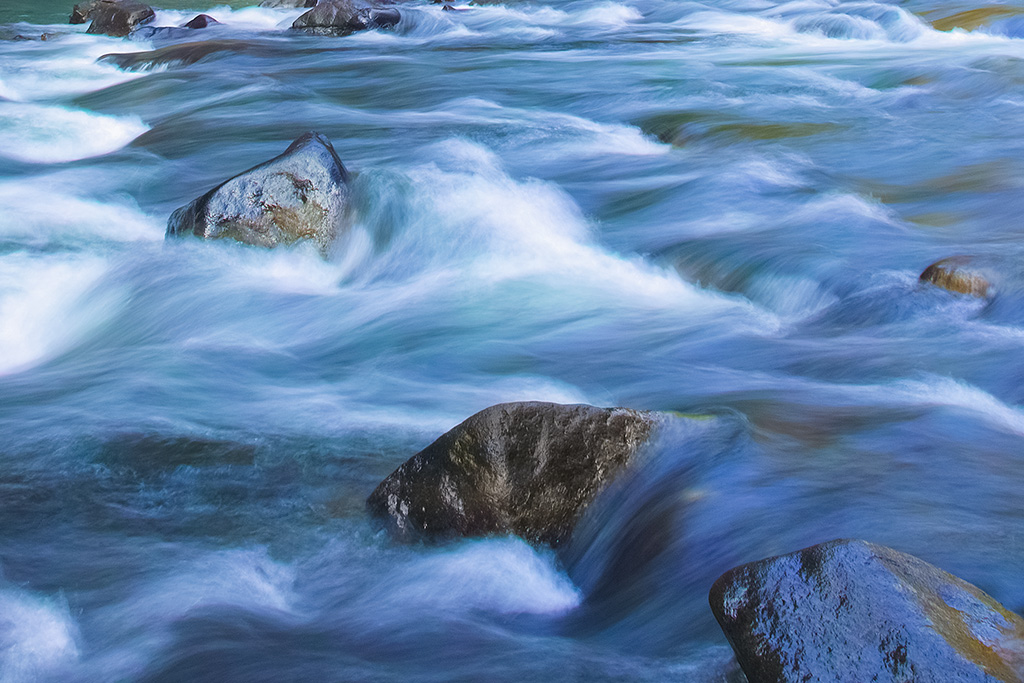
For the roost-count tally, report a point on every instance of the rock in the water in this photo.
(301, 194)
(118, 17)
(956, 275)
(200, 21)
(528, 469)
(849, 610)
(290, 4)
(341, 17)
(82, 12)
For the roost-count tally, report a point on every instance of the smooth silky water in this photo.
(718, 209)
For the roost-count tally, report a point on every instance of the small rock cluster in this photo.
(120, 18)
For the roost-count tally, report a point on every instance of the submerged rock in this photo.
(301, 194)
(342, 17)
(849, 610)
(185, 53)
(291, 4)
(528, 469)
(957, 274)
(115, 17)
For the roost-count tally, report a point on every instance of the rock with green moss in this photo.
(301, 194)
(849, 610)
(528, 469)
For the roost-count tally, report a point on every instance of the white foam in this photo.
(246, 18)
(499, 230)
(45, 209)
(64, 68)
(37, 637)
(946, 391)
(36, 133)
(46, 304)
(502, 575)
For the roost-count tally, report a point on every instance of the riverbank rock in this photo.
(301, 194)
(849, 610)
(957, 274)
(115, 18)
(342, 17)
(528, 469)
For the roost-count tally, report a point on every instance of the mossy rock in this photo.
(528, 469)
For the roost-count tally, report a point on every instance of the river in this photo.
(714, 208)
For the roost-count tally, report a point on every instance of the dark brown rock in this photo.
(301, 194)
(185, 53)
(528, 469)
(82, 12)
(852, 611)
(200, 21)
(957, 274)
(342, 17)
(118, 17)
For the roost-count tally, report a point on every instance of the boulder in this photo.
(529, 469)
(957, 274)
(290, 4)
(82, 12)
(118, 17)
(301, 194)
(849, 610)
(200, 21)
(342, 17)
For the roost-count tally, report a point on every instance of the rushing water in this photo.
(713, 208)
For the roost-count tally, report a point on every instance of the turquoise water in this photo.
(713, 208)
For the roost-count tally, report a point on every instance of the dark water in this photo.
(719, 209)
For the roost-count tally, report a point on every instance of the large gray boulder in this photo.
(528, 469)
(853, 611)
(342, 17)
(301, 194)
(112, 17)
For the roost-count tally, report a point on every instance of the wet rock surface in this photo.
(849, 610)
(342, 17)
(960, 274)
(301, 194)
(200, 21)
(528, 469)
(289, 4)
(115, 18)
(185, 53)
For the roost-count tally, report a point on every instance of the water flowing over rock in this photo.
(115, 18)
(957, 274)
(849, 610)
(341, 17)
(289, 4)
(301, 194)
(528, 469)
